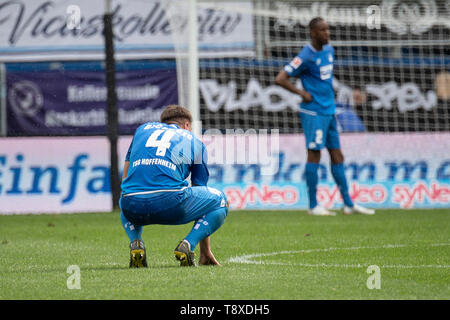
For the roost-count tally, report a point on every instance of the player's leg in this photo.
(208, 208)
(201, 231)
(314, 130)
(134, 232)
(138, 255)
(337, 162)
(338, 170)
(206, 226)
(338, 173)
(311, 176)
(313, 139)
(156, 208)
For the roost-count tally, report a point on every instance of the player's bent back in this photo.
(161, 157)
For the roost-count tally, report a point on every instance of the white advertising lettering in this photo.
(272, 98)
(51, 29)
(399, 16)
(408, 96)
(72, 175)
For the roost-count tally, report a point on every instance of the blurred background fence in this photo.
(392, 84)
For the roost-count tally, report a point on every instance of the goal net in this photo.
(391, 70)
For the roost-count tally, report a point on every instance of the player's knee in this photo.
(313, 156)
(218, 216)
(227, 206)
(336, 156)
(224, 202)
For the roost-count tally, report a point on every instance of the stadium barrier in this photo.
(72, 175)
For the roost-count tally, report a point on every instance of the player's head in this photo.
(319, 30)
(178, 115)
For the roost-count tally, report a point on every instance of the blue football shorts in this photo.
(172, 207)
(320, 131)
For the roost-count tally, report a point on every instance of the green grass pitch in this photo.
(270, 255)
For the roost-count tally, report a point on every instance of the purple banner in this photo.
(74, 102)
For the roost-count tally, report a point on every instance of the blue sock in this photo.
(338, 172)
(312, 179)
(133, 232)
(206, 226)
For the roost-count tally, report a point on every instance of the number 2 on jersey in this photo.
(319, 136)
(162, 144)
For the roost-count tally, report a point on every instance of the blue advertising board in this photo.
(73, 102)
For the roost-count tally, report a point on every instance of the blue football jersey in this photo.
(315, 70)
(161, 157)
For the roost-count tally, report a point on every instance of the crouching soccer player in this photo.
(314, 66)
(155, 190)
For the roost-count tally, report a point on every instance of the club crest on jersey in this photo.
(296, 62)
(318, 61)
(330, 58)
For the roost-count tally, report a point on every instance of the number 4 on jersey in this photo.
(162, 144)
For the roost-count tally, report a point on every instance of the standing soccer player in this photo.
(155, 191)
(314, 66)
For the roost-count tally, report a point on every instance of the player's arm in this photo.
(206, 255)
(199, 168)
(126, 166)
(199, 177)
(282, 79)
(295, 68)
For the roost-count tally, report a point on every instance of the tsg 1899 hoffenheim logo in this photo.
(25, 98)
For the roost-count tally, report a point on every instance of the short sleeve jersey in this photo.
(162, 156)
(315, 70)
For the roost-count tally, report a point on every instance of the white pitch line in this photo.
(247, 258)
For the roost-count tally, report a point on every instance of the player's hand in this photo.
(307, 97)
(208, 259)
